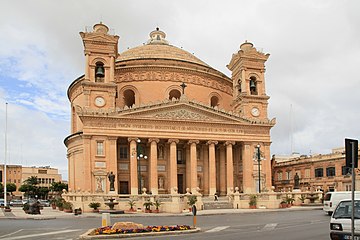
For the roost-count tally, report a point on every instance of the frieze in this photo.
(173, 76)
(182, 114)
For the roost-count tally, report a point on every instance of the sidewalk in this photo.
(49, 213)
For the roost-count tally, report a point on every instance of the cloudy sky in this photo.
(311, 74)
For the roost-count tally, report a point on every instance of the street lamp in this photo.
(139, 156)
(259, 159)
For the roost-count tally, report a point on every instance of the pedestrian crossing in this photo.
(267, 227)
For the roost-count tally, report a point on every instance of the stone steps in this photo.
(217, 205)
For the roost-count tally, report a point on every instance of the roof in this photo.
(159, 48)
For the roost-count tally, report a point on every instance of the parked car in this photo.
(331, 199)
(16, 203)
(2, 202)
(340, 223)
(44, 203)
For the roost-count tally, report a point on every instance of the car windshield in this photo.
(344, 210)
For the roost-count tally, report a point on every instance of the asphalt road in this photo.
(289, 225)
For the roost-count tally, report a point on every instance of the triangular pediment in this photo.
(181, 111)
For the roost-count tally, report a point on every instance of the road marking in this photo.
(218, 229)
(269, 227)
(11, 233)
(44, 234)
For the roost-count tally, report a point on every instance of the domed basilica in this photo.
(156, 119)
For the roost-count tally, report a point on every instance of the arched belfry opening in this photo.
(99, 72)
(129, 97)
(253, 86)
(174, 94)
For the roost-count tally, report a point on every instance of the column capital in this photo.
(130, 139)
(212, 142)
(154, 140)
(172, 140)
(229, 143)
(112, 137)
(193, 142)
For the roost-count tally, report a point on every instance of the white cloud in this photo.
(314, 47)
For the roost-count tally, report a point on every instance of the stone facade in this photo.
(164, 121)
(325, 172)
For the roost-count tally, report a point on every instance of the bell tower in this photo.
(248, 67)
(101, 51)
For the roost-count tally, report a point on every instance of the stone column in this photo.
(222, 171)
(248, 168)
(133, 167)
(266, 166)
(173, 166)
(193, 165)
(212, 167)
(87, 67)
(229, 167)
(206, 170)
(112, 160)
(153, 177)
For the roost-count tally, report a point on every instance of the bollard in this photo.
(105, 219)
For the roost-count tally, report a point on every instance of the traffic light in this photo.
(351, 151)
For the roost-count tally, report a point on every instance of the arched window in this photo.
(99, 72)
(253, 86)
(174, 94)
(129, 97)
(214, 101)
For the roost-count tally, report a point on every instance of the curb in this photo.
(129, 235)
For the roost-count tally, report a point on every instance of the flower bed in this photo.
(110, 230)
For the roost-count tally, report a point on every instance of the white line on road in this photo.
(44, 234)
(218, 229)
(11, 233)
(269, 227)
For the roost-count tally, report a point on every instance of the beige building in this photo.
(13, 175)
(18, 174)
(45, 175)
(326, 172)
(159, 118)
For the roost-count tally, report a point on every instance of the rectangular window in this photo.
(100, 148)
(123, 152)
(179, 156)
(319, 172)
(288, 175)
(330, 171)
(279, 176)
(345, 171)
(307, 173)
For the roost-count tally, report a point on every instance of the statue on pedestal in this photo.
(111, 178)
(296, 181)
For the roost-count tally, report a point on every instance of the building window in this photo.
(288, 175)
(123, 152)
(214, 101)
(319, 172)
(129, 98)
(330, 171)
(307, 173)
(41, 171)
(279, 176)
(174, 94)
(179, 156)
(100, 148)
(345, 170)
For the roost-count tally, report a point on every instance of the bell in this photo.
(100, 71)
(252, 84)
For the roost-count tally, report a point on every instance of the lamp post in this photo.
(259, 159)
(139, 156)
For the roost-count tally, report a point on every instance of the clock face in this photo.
(99, 101)
(255, 112)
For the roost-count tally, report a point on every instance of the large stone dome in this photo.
(158, 48)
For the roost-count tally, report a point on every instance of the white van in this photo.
(331, 199)
(340, 223)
